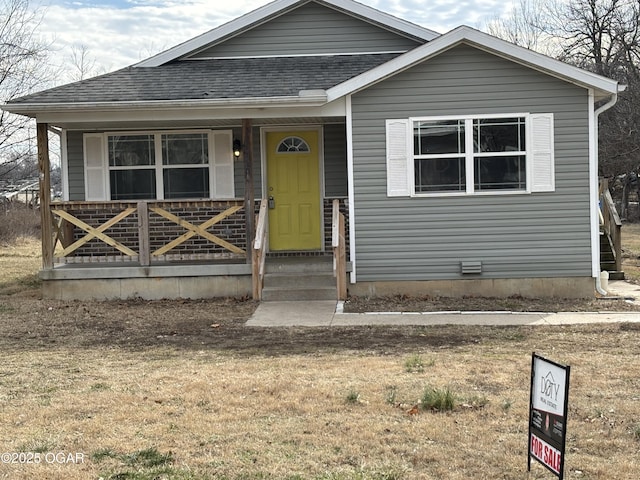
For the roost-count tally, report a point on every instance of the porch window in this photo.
(132, 167)
(470, 155)
(159, 165)
(185, 160)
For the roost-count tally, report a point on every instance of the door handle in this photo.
(272, 203)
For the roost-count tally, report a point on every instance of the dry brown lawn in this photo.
(19, 264)
(631, 251)
(183, 390)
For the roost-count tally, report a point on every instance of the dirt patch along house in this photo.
(459, 164)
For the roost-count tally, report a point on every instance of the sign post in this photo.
(548, 413)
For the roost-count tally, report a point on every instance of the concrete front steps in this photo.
(299, 279)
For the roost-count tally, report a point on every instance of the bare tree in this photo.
(18, 169)
(602, 36)
(596, 34)
(526, 25)
(23, 69)
(83, 64)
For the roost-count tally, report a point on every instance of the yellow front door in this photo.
(293, 190)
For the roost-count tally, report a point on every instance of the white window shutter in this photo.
(398, 158)
(542, 153)
(95, 170)
(223, 181)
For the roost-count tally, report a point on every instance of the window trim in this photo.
(469, 155)
(158, 167)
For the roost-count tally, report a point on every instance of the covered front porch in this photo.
(173, 248)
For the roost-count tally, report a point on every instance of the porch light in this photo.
(237, 148)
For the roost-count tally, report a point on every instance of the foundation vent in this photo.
(471, 267)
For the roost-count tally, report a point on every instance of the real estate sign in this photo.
(548, 413)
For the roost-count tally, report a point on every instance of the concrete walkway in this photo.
(329, 314)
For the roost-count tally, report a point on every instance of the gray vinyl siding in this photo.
(75, 162)
(308, 30)
(514, 236)
(335, 161)
(257, 165)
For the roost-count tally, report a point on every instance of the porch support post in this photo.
(45, 196)
(144, 252)
(247, 158)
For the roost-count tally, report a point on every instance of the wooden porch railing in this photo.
(259, 252)
(144, 239)
(338, 243)
(91, 232)
(610, 222)
(200, 230)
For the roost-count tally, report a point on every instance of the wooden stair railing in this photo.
(259, 251)
(338, 244)
(610, 223)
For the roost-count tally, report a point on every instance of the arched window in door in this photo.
(293, 144)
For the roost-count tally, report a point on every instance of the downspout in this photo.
(597, 112)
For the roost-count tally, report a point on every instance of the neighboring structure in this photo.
(464, 164)
(25, 191)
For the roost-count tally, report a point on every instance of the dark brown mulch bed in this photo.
(401, 303)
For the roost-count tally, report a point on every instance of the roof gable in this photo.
(278, 8)
(603, 87)
(310, 29)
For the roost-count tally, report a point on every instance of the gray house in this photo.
(457, 163)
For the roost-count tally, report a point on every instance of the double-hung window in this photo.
(470, 155)
(132, 171)
(159, 165)
(185, 165)
(439, 148)
(499, 154)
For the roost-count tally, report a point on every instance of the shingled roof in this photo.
(212, 79)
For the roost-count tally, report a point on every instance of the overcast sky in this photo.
(118, 33)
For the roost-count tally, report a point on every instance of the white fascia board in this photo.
(276, 8)
(483, 41)
(172, 117)
(306, 98)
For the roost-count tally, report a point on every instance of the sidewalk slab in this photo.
(622, 288)
(441, 318)
(572, 318)
(327, 313)
(293, 314)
